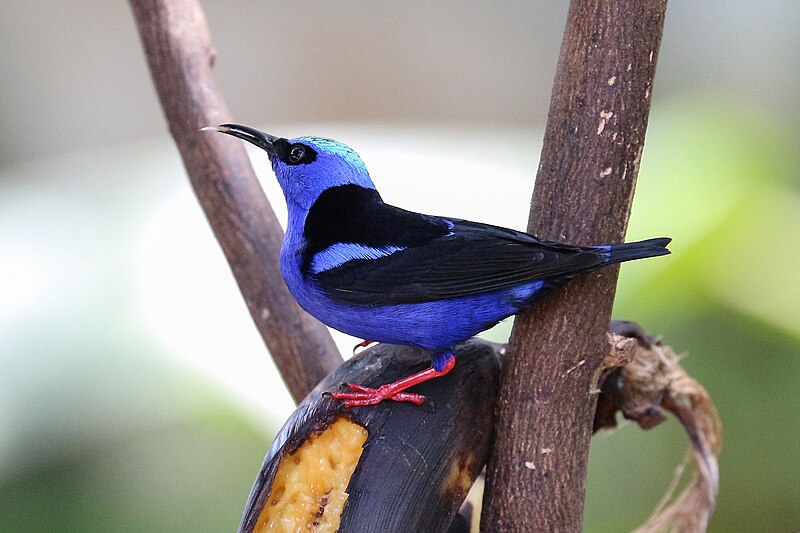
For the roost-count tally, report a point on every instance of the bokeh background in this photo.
(135, 394)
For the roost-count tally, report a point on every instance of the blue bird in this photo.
(382, 273)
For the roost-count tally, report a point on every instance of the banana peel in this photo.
(389, 467)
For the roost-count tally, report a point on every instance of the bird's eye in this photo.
(297, 154)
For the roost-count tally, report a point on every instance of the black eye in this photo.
(297, 154)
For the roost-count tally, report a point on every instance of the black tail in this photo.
(638, 250)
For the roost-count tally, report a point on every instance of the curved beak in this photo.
(265, 141)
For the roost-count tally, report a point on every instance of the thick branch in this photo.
(584, 189)
(177, 43)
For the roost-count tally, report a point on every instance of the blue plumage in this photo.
(382, 273)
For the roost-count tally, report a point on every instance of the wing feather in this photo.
(471, 258)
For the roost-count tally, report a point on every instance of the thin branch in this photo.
(179, 53)
(584, 189)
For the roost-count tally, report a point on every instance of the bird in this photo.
(379, 272)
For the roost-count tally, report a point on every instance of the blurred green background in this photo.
(135, 394)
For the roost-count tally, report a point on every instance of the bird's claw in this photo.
(363, 344)
(359, 396)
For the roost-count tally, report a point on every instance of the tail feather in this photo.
(638, 250)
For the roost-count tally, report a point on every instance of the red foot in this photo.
(362, 344)
(359, 396)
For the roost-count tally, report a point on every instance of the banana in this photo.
(389, 467)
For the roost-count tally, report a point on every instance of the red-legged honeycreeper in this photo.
(382, 273)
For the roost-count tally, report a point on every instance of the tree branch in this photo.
(179, 53)
(583, 193)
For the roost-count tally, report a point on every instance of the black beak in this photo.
(265, 141)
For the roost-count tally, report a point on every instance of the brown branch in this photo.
(584, 188)
(179, 53)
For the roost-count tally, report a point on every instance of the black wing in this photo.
(468, 258)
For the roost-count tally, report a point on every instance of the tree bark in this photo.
(179, 53)
(584, 188)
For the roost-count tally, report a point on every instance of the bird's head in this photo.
(305, 166)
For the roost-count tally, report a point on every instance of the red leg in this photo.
(359, 396)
